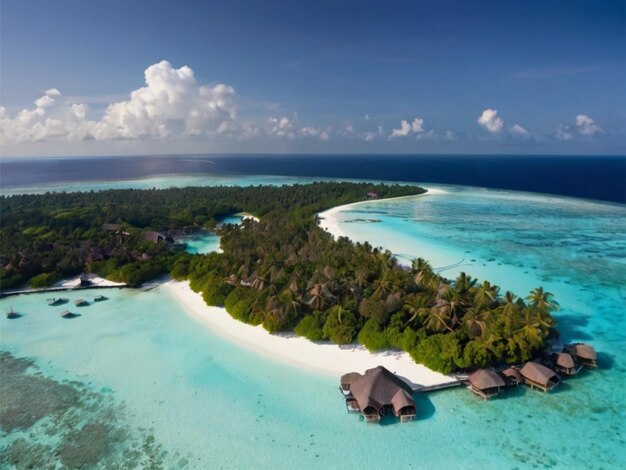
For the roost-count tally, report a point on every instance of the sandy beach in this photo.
(325, 358)
(328, 221)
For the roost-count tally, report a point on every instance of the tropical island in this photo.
(283, 272)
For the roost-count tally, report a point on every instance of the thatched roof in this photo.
(153, 236)
(401, 400)
(564, 360)
(483, 379)
(582, 350)
(511, 372)
(537, 373)
(349, 378)
(377, 387)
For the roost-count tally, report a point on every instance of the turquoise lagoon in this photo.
(206, 241)
(183, 396)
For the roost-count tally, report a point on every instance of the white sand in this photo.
(96, 281)
(328, 219)
(326, 358)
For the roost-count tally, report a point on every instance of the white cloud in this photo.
(587, 126)
(315, 132)
(172, 103)
(281, 127)
(583, 126)
(489, 120)
(563, 132)
(407, 128)
(518, 131)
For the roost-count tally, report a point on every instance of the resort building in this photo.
(564, 364)
(583, 353)
(512, 377)
(536, 375)
(485, 383)
(376, 393)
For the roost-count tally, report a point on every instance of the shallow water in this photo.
(188, 398)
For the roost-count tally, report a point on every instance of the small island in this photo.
(280, 270)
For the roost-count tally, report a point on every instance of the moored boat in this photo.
(81, 303)
(100, 298)
(12, 314)
(53, 302)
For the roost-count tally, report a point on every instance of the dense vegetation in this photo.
(283, 272)
(46, 237)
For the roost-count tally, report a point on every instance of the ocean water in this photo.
(595, 177)
(163, 390)
(206, 242)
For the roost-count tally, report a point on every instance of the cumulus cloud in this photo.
(407, 128)
(583, 126)
(489, 120)
(172, 103)
(518, 131)
(587, 126)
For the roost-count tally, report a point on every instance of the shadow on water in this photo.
(604, 361)
(424, 407)
(14, 315)
(572, 327)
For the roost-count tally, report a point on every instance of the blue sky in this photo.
(133, 77)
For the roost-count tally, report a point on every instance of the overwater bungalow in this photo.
(100, 298)
(81, 303)
(512, 377)
(53, 302)
(485, 383)
(376, 393)
(564, 364)
(536, 375)
(583, 353)
(11, 314)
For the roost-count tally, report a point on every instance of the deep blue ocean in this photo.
(593, 177)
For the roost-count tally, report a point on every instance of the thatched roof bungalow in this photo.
(154, 237)
(485, 383)
(564, 364)
(539, 376)
(512, 377)
(376, 392)
(583, 353)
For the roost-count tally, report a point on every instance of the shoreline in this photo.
(72, 284)
(330, 224)
(322, 358)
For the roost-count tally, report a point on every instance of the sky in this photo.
(450, 77)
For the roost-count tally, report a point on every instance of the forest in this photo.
(283, 272)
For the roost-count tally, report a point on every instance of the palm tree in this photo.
(531, 328)
(449, 306)
(475, 320)
(543, 302)
(417, 306)
(486, 294)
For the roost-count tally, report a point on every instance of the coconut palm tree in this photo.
(543, 302)
(486, 294)
(417, 306)
(475, 320)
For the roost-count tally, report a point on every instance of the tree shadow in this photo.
(572, 327)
